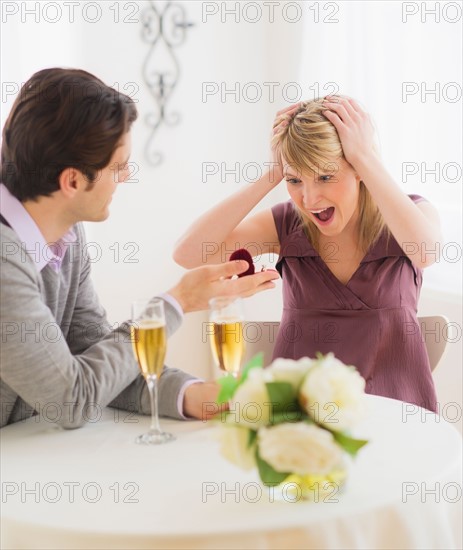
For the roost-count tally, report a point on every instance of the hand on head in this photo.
(284, 117)
(280, 123)
(354, 127)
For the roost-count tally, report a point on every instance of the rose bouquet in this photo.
(292, 420)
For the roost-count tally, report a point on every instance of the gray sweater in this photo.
(59, 355)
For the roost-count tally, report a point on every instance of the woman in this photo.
(351, 244)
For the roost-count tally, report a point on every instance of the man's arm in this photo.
(90, 368)
(89, 323)
(37, 364)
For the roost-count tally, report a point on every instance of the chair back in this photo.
(434, 335)
(260, 336)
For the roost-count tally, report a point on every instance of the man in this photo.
(66, 146)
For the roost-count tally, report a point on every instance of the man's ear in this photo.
(70, 181)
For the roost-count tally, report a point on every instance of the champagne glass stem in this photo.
(152, 382)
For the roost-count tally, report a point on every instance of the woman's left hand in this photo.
(354, 127)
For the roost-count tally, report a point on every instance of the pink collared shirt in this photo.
(41, 252)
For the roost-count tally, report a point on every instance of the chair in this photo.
(434, 334)
(260, 337)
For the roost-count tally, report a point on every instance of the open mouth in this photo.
(324, 215)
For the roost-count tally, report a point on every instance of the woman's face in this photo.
(329, 198)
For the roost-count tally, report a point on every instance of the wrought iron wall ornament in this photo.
(165, 29)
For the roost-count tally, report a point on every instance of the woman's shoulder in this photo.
(386, 245)
(291, 231)
(287, 220)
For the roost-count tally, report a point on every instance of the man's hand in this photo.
(200, 401)
(199, 285)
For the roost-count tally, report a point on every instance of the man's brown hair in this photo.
(61, 118)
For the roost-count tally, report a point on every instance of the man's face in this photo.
(94, 203)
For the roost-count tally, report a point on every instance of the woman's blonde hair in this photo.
(310, 144)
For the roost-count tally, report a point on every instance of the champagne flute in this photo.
(149, 339)
(226, 326)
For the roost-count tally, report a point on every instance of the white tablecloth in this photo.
(95, 488)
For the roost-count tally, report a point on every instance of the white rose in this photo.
(333, 394)
(288, 370)
(250, 405)
(234, 446)
(299, 448)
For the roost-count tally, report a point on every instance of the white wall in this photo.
(155, 211)
(148, 216)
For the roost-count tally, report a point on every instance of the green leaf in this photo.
(228, 385)
(288, 416)
(349, 444)
(256, 362)
(268, 475)
(252, 438)
(282, 395)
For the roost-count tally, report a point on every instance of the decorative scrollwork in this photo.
(165, 29)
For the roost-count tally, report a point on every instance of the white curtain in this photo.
(391, 56)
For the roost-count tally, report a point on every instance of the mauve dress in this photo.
(370, 322)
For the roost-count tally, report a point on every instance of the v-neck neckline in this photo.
(345, 285)
(299, 245)
(326, 268)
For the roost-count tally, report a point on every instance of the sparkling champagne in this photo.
(149, 344)
(228, 344)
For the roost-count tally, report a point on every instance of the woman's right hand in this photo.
(282, 119)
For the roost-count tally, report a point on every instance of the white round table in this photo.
(95, 488)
